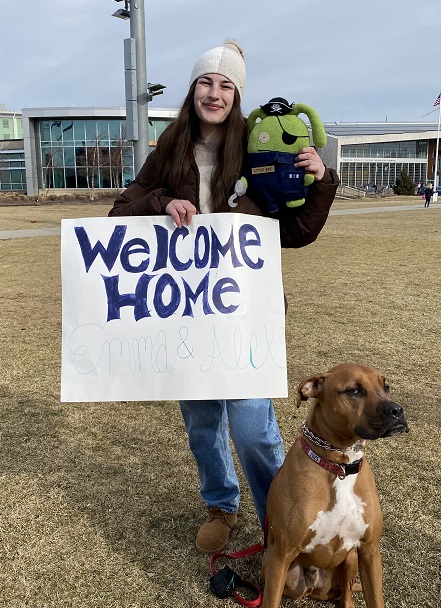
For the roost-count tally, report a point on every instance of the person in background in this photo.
(428, 195)
(194, 168)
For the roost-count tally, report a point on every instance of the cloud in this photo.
(350, 60)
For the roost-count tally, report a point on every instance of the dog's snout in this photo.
(392, 409)
(394, 419)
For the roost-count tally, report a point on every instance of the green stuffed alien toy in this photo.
(275, 135)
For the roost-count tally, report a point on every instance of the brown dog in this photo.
(323, 510)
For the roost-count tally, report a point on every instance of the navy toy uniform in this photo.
(274, 180)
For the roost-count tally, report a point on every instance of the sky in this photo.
(351, 60)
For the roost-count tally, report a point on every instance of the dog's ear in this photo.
(310, 388)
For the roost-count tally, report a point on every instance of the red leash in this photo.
(225, 582)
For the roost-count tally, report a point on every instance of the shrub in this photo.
(404, 185)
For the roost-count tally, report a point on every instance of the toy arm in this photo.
(318, 130)
(240, 188)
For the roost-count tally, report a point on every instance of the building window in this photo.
(393, 149)
(5, 123)
(380, 165)
(85, 153)
(379, 173)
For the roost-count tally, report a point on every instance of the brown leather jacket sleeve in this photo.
(139, 198)
(302, 225)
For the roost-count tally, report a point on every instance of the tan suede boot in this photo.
(214, 534)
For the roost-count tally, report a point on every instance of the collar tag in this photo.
(315, 457)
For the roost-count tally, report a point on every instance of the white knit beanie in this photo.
(227, 60)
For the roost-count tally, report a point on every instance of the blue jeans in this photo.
(255, 434)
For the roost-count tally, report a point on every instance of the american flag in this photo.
(437, 100)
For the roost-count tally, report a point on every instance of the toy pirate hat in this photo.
(277, 106)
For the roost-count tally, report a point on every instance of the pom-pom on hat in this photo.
(227, 60)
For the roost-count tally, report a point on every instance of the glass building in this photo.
(85, 148)
(87, 153)
(84, 153)
(374, 154)
(12, 161)
(12, 166)
(82, 148)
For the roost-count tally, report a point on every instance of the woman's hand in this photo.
(311, 162)
(181, 211)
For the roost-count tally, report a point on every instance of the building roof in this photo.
(92, 112)
(342, 129)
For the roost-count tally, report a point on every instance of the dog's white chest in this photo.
(344, 520)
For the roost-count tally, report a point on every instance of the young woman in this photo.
(193, 169)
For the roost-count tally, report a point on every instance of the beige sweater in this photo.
(205, 157)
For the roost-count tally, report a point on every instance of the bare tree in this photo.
(48, 176)
(120, 150)
(88, 164)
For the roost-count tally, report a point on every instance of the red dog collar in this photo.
(341, 470)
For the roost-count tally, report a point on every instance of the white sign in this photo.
(152, 311)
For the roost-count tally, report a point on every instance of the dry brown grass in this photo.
(99, 503)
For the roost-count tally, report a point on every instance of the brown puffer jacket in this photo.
(298, 227)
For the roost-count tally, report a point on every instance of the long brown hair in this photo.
(176, 151)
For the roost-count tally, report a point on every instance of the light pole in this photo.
(137, 89)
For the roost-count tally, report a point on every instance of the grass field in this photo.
(100, 505)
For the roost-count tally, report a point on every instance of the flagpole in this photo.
(435, 181)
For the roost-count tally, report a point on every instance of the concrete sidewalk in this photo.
(381, 209)
(24, 233)
(30, 232)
